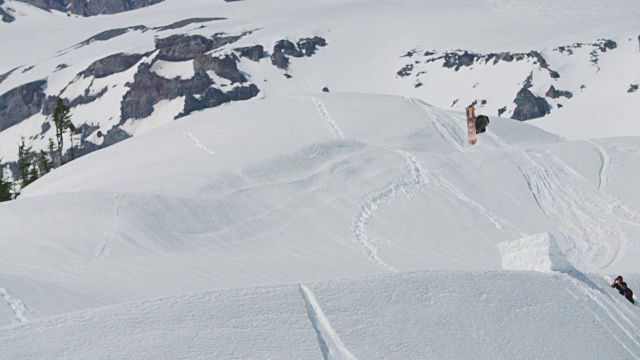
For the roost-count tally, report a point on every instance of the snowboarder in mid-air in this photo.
(622, 288)
(481, 123)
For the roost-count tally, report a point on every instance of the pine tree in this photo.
(52, 152)
(72, 131)
(24, 162)
(5, 186)
(43, 163)
(62, 121)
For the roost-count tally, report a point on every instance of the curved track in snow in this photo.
(16, 305)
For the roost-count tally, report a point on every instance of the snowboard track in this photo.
(324, 114)
(18, 308)
(196, 143)
(330, 344)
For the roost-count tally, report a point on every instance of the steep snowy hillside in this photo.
(123, 74)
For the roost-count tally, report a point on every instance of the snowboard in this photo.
(471, 125)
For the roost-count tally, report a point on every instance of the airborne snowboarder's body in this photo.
(481, 123)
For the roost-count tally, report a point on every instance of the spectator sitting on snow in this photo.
(616, 284)
(626, 292)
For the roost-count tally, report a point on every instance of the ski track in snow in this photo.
(196, 143)
(321, 108)
(449, 130)
(16, 305)
(330, 344)
(619, 313)
(585, 216)
(417, 176)
(604, 159)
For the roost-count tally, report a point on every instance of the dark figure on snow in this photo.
(481, 123)
(622, 288)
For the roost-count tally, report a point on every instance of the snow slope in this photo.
(306, 190)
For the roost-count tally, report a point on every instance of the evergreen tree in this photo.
(43, 163)
(24, 163)
(72, 131)
(52, 153)
(5, 186)
(62, 121)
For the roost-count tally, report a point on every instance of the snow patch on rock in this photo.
(538, 252)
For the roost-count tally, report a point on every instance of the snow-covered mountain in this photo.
(315, 196)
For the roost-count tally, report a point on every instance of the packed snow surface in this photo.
(281, 197)
(538, 252)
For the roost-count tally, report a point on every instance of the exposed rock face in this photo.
(183, 47)
(110, 34)
(285, 48)
(213, 97)
(183, 23)
(554, 94)
(4, 76)
(93, 7)
(456, 61)
(254, 53)
(111, 64)
(224, 67)
(529, 106)
(6, 17)
(21, 103)
(148, 88)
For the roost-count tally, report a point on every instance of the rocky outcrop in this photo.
(6, 17)
(149, 88)
(284, 49)
(110, 34)
(529, 106)
(213, 97)
(111, 65)
(225, 67)
(4, 76)
(186, 22)
(94, 7)
(632, 88)
(184, 47)
(554, 94)
(254, 53)
(21, 103)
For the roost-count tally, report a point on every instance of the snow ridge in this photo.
(16, 305)
(330, 343)
(321, 108)
(449, 130)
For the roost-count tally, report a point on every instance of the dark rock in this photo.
(430, 53)
(560, 106)
(529, 106)
(183, 23)
(309, 45)
(225, 67)
(61, 67)
(86, 98)
(27, 69)
(280, 60)
(4, 76)
(554, 94)
(21, 103)
(456, 61)
(405, 71)
(213, 97)
(94, 7)
(607, 44)
(638, 42)
(6, 17)
(114, 135)
(45, 127)
(325, 89)
(110, 34)
(183, 47)
(111, 65)
(417, 85)
(49, 104)
(148, 88)
(632, 88)
(483, 102)
(254, 53)
(502, 110)
(288, 48)
(288, 76)
(409, 54)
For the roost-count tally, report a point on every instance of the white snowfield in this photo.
(326, 226)
(367, 44)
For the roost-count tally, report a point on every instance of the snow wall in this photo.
(538, 252)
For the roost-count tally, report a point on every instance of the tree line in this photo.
(32, 165)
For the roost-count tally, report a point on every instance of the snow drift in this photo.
(538, 252)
